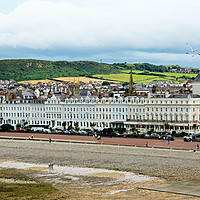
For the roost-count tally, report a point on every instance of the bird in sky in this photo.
(193, 51)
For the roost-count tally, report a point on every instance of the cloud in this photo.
(101, 24)
(154, 30)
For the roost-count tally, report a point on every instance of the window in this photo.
(181, 117)
(58, 123)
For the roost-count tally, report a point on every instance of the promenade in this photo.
(152, 143)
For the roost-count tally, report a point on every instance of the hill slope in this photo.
(29, 69)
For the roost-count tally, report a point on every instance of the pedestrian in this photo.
(51, 165)
(168, 140)
(49, 140)
(163, 137)
(99, 137)
(146, 144)
(197, 146)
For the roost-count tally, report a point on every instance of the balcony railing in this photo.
(163, 121)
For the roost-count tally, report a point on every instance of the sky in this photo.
(111, 31)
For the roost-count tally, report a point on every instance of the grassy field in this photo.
(125, 76)
(168, 74)
(136, 78)
(71, 79)
(36, 81)
(77, 79)
(140, 78)
(134, 71)
(23, 190)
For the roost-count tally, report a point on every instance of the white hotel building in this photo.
(181, 112)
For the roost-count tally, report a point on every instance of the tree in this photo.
(194, 127)
(107, 132)
(106, 83)
(25, 123)
(92, 124)
(125, 84)
(64, 125)
(166, 125)
(133, 129)
(154, 89)
(7, 127)
(70, 127)
(18, 126)
(120, 130)
(76, 126)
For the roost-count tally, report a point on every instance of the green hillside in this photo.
(29, 69)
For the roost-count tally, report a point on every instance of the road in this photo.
(177, 144)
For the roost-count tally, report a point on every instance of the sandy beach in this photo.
(114, 169)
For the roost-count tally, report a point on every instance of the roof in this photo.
(25, 93)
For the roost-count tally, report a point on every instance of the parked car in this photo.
(146, 135)
(82, 132)
(73, 131)
(46, 130)
(54, 131)
(66, 132)
(155, 135)
(187, 138)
